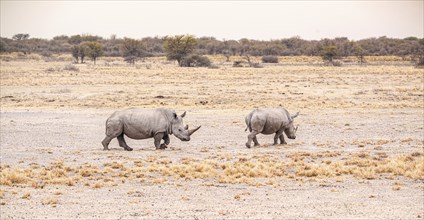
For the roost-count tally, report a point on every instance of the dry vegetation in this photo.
(359, 125)
(29, 84)
(251, 170)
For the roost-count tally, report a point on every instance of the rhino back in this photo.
(143, 123)
(275, 119)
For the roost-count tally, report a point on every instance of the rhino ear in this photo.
(175, 115)
(182, 116)
(295, 115)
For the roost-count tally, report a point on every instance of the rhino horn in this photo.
(191, 131)
(295, 115)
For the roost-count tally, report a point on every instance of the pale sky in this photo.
(261, 20)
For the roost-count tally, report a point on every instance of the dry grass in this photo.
(57, 192)
(9, 176)
(98, 185)
(253, 170)
(50, 201)
(326, 87)
(26, 196)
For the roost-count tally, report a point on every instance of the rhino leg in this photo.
(255, 141)
(158, 137)
(276, 139)
(106, 142)
(250, 138)
(166, 141)
(122, 143)
(114, 128)
(282, 141)
(277, 136)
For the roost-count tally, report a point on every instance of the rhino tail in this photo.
(248, 126)
(248, 119)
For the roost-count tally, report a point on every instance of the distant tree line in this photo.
(134, 49)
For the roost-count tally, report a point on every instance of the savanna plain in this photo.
(358, 152)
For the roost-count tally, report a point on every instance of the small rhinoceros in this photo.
(270, 121)
(146, 123)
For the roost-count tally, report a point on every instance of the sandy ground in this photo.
(349, 115)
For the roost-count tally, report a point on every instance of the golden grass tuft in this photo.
(115, 165)
(57, 192)
(98, 185)
(50, 201)
(10, 176)
(158, 181)
(26, 196)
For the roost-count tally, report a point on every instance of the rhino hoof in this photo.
(247, 145)
(105, 148)
(128, 149)
(163, 146)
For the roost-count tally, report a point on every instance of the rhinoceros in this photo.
(270, 121)
(139, 124)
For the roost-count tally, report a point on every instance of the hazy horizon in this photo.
(260, 20)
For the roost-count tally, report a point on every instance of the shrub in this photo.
(213, 66)
(328, 53)
(71, 68)
(336, 63)
(238, 63)
(133, 50)
(270, 59)
(195, 60)
(420, 62)
(256, 65)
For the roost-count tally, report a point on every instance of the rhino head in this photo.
(290, 129)
(179, 130)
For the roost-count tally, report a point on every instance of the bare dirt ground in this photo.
(358, 152)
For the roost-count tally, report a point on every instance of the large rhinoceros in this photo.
(270, 121)
(139, 124)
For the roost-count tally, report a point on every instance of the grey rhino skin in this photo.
(139, 124)
(270, 121)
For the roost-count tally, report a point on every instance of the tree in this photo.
(20, 37)
(227, 54)
(179, 46)
(420, 52)
(328, 53)
(132, 50)
(94, 50)
(360, 54)
(75, 39)
(75, 52)
(3, 46)
(80, 51)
